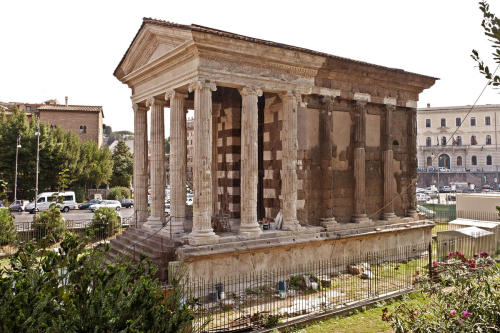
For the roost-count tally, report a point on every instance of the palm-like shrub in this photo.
(7, 227)
(105, 223)
(49, 226)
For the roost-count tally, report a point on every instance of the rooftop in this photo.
(460, 108)
(58, 107)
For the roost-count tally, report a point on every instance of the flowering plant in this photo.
(463, 297)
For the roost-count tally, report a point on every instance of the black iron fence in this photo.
(265, 299)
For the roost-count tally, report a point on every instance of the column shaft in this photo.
(359, 164)
(202, 232)
(140, 164)
(177, 161)
(412, 163)
(387, 160)
(289, 162)
(157, 160)
(249, 162)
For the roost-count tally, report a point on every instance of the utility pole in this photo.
(18, 145)
(37, 133)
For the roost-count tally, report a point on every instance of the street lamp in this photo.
(18, 145)
(37, 133)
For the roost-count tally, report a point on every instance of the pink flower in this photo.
(476, 255)
(466, 314)
(453, 312)
(416, 312)
(450, 254)
(484, 254)
(461, 320)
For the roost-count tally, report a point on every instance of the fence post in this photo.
(430, 259)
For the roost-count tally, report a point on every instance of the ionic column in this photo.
(387, 160)
(157, 160)
(177, 161)
(140, 164)
(359, 215)
(202, 232)
(249, 162)
(289, 162)
(412, 163)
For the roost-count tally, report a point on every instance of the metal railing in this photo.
(264, 299)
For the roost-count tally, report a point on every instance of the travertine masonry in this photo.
(140, 163)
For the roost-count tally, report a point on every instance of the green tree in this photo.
(7, 227)
(96, 163)
(167, 145)
(123, 164)
(491, 27)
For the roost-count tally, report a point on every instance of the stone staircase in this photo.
(137, 243)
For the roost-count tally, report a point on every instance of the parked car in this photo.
(18, 205)
(45, 199)
(115, 204)
(441, 169)
(431, 169)
(487, 188)
(86, 205)
(167, 208)
(445, 189)
(127, 203)
(422, 197)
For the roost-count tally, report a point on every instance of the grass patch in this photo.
(362, 320)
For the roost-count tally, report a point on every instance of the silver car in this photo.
(115, 204)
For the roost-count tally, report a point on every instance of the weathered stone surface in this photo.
(140, 164)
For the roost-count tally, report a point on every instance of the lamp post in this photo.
(37, 133)
(18, 145)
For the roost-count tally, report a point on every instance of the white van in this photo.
(45, 199)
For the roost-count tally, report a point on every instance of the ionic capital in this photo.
(137, 107)
(362, 98)
(172, 93)
(250, 91)
(390, 101)
(154, 101)
(202, 84)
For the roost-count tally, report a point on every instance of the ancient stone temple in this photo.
(327, 144)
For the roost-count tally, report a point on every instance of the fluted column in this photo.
(387, 160)
(202, 232)
(140, 164)
(249, 162)
(289, 161)
(412, 163)
(177, 161)
(157, 160)
(359, 161)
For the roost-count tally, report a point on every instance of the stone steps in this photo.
(135, 243)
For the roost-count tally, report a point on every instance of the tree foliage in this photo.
(7, 227)
(62, 154)
(491, 27)
(75, 290)
(123, 164)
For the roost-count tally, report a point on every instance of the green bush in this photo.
(121, 192)
(76, 290)
(105, 223)
(79, 193)
(7, 227)
(49, 226)
(464, 297)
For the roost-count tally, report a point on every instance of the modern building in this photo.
(457, 140)
(86, 121)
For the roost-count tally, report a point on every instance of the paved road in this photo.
(72, 215)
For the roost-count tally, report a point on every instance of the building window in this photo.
(429, 161)
(474, 160)
(458, 121)
(473, 121)
(428, 141)
(443, 122)
(473, 140)
(487, 120)
(443, 141)
(459, 140)
(28, 108)
(459, 161)
(83, 129)
(488, 139)
(489, 160)
(427, 123)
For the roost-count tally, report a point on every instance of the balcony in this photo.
(443, 148)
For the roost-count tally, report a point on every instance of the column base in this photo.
(328, 223)
(360, 218)
(388, 216)
(176, 225)
(412, 212)
(250, 231)
(203, 237)
(154, 223)
(139, 218)
(293, 225)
